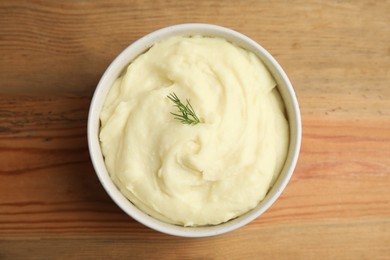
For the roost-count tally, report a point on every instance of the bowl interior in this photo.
(140, 46)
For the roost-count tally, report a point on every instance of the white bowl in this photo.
(111, 74)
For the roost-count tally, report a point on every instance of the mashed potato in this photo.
(202, 174)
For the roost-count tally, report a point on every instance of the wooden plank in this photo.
(49, 190)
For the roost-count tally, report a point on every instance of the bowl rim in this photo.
(141, 45)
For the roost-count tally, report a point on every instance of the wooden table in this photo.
(337, 55)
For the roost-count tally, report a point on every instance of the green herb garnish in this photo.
(187, 115)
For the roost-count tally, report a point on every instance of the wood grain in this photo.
(337, 55)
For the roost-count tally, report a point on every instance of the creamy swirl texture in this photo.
(202, 174)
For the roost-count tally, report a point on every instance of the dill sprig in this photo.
(187, 115)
